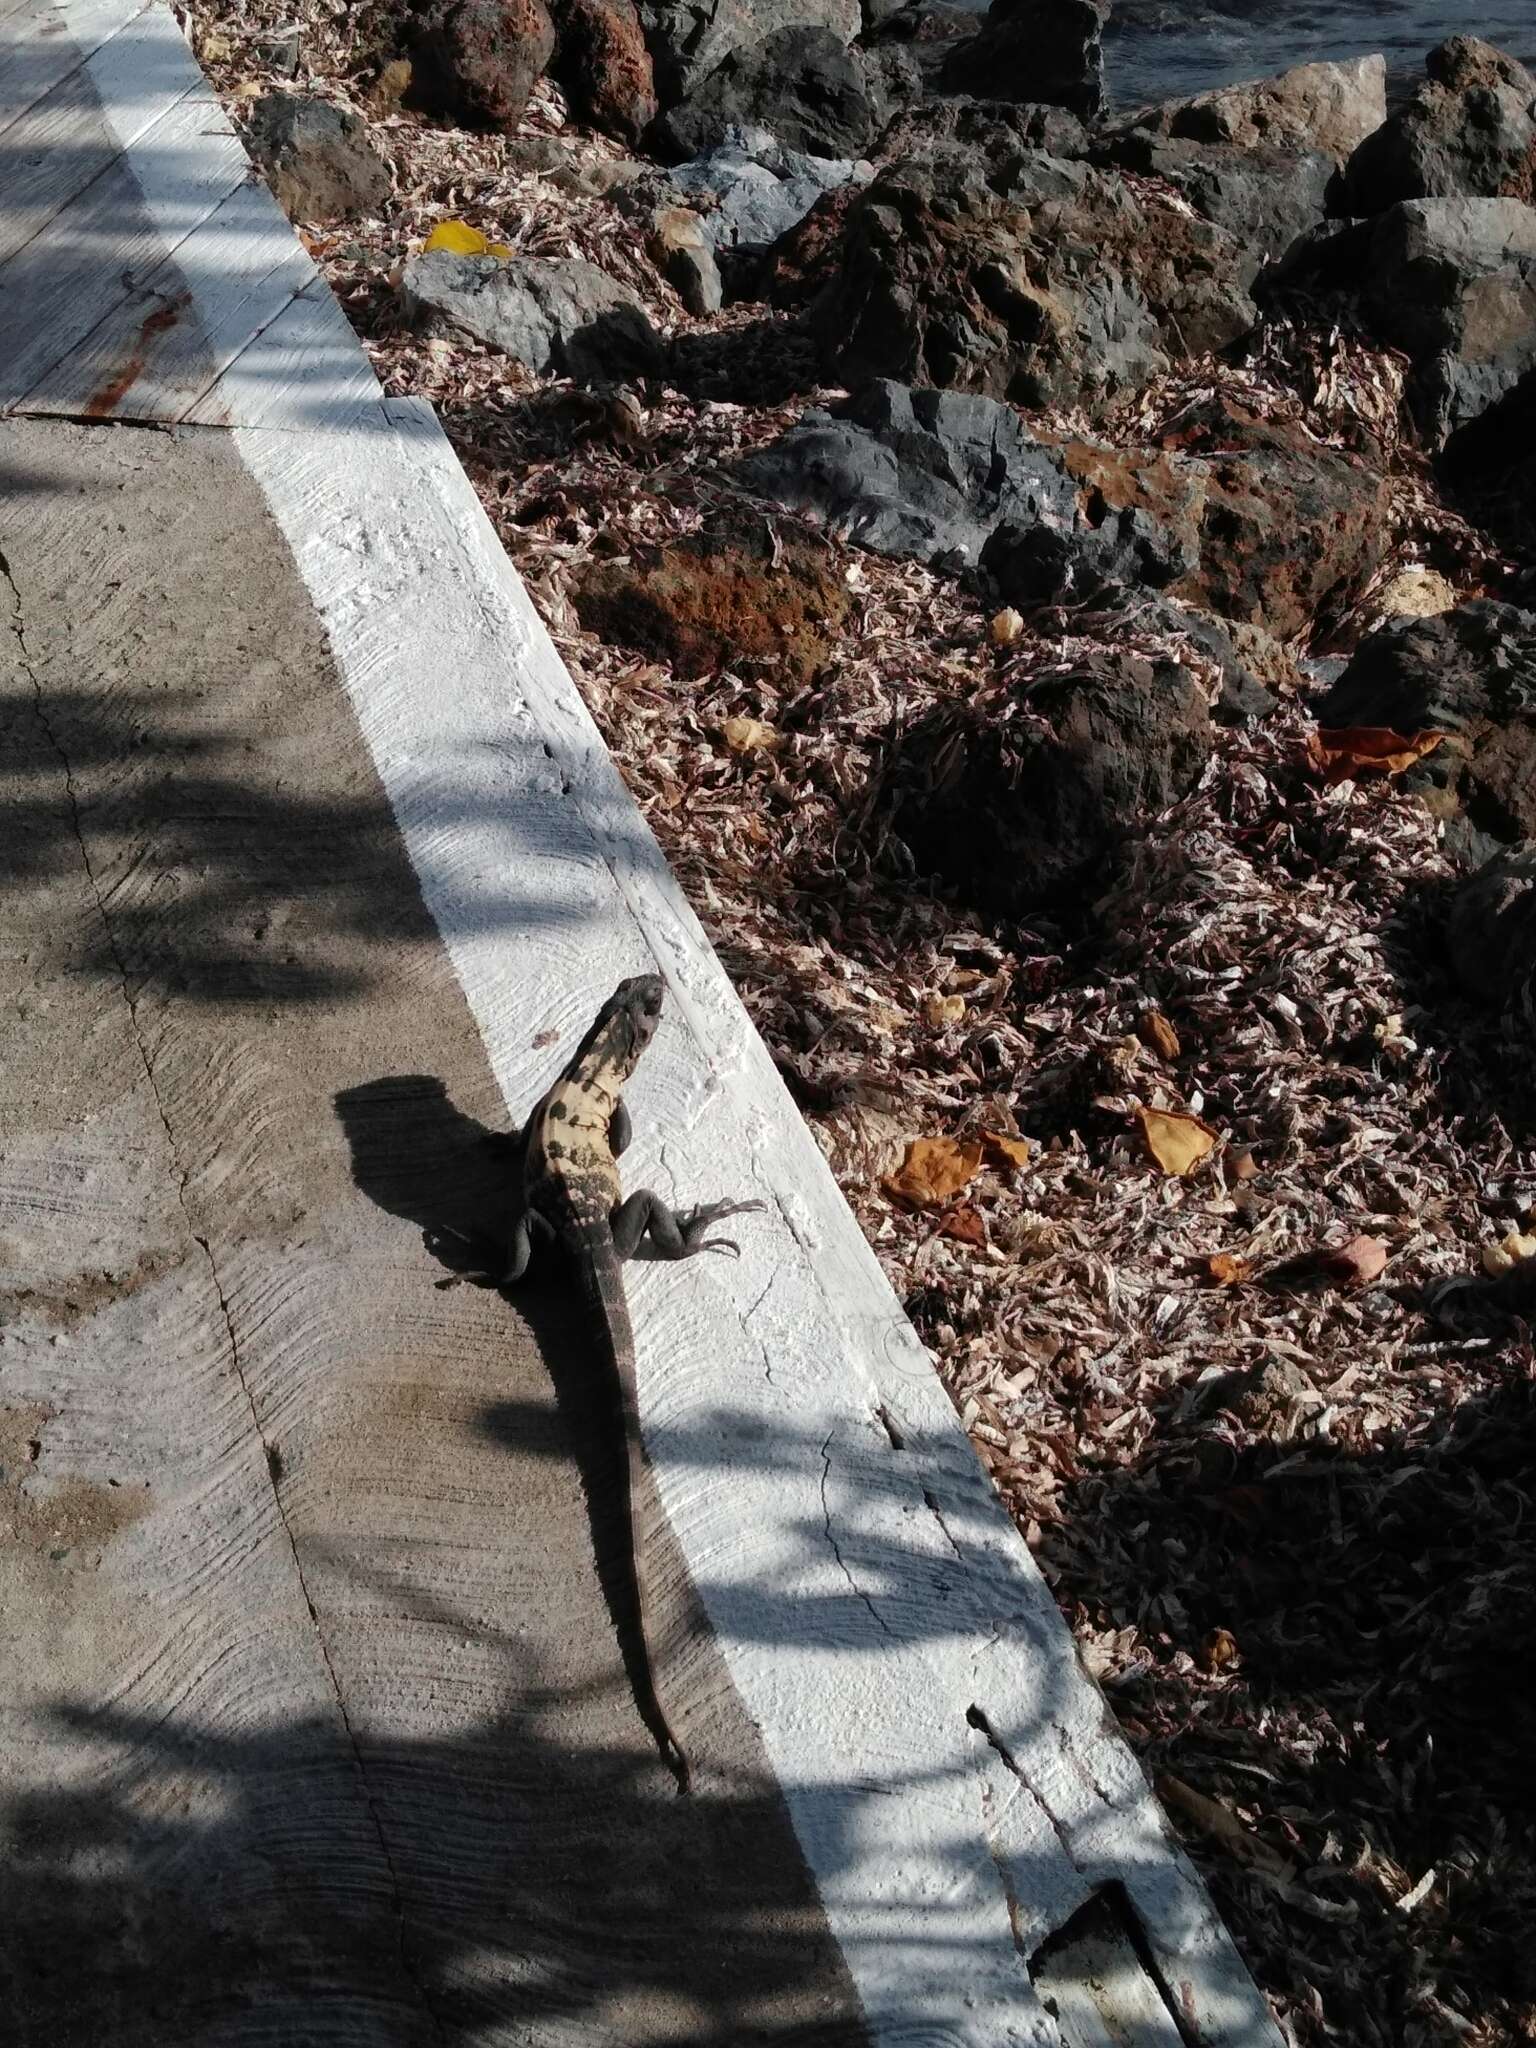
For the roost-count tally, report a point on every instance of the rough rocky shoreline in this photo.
(1062, 585)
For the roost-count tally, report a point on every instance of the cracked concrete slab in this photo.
(311, 1721)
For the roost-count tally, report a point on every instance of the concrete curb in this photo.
(957, 1784)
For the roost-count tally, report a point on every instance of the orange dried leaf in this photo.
(934, 1171)
(1228, 1270)
(1341, 753)
(1357, 1263)
(1005, 1151)
(1177, 1141)
(964, 1225)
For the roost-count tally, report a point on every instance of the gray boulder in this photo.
(1051, 284)
(556, 315)
(689, 38)
(995, 133)
(1491, 927)
(684, 254)
(1452, 282)
(1044, 51)
(751, 189)
(1327, 108)
(1469, 132)
(960, 482)
(318, 159)
(805, 85)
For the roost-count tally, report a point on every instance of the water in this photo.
(1159, 49)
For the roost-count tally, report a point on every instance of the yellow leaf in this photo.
(751, 736)
(939, 1012)
(1006, 627)
(460, 239)
(934, 1171)
(1509, 1252)
(1176, 1140)
(1219, 1650)
(1227, 1269)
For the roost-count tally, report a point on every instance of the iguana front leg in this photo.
(673, 1233)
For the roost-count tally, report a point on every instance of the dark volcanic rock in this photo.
(956, 481)
(1263, 197)
(1021, 805)
(1066, 288)
(1471, 674)
(317, 158)
(1045, 51)
(725, 595)
(475, 62)
(603, 67)
(995, 134)
(1452, 282)
(689, 38)
(1290, 531)
(804, 85)
(798, 265)
(556, 315)
(1469, 132)
(1491, 927)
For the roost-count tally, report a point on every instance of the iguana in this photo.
(566, 1191)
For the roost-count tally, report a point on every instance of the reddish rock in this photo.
(475, 62)
(1290, 531)
(603, 67)
(720, 597)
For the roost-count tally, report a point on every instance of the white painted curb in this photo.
(957, 1784)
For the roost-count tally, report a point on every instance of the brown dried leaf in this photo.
(934, 1171)
(1177, 1141)
(964, 1225)
(1227, 1269)
(1222, 1825)
(1006, 627)
(1341, 753)
(1357, 1263)
(1156, 1033)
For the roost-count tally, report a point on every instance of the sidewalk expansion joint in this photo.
(270, 1462)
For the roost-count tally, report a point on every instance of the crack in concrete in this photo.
(937, 1513)
(976, 1718)
(826, 1515)
(271, 1464)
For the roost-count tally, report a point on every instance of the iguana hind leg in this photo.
(673, 1233)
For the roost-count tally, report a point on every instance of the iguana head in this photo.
(626, 1023)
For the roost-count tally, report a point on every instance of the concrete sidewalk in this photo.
(312, 1721)
(315, 1726)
